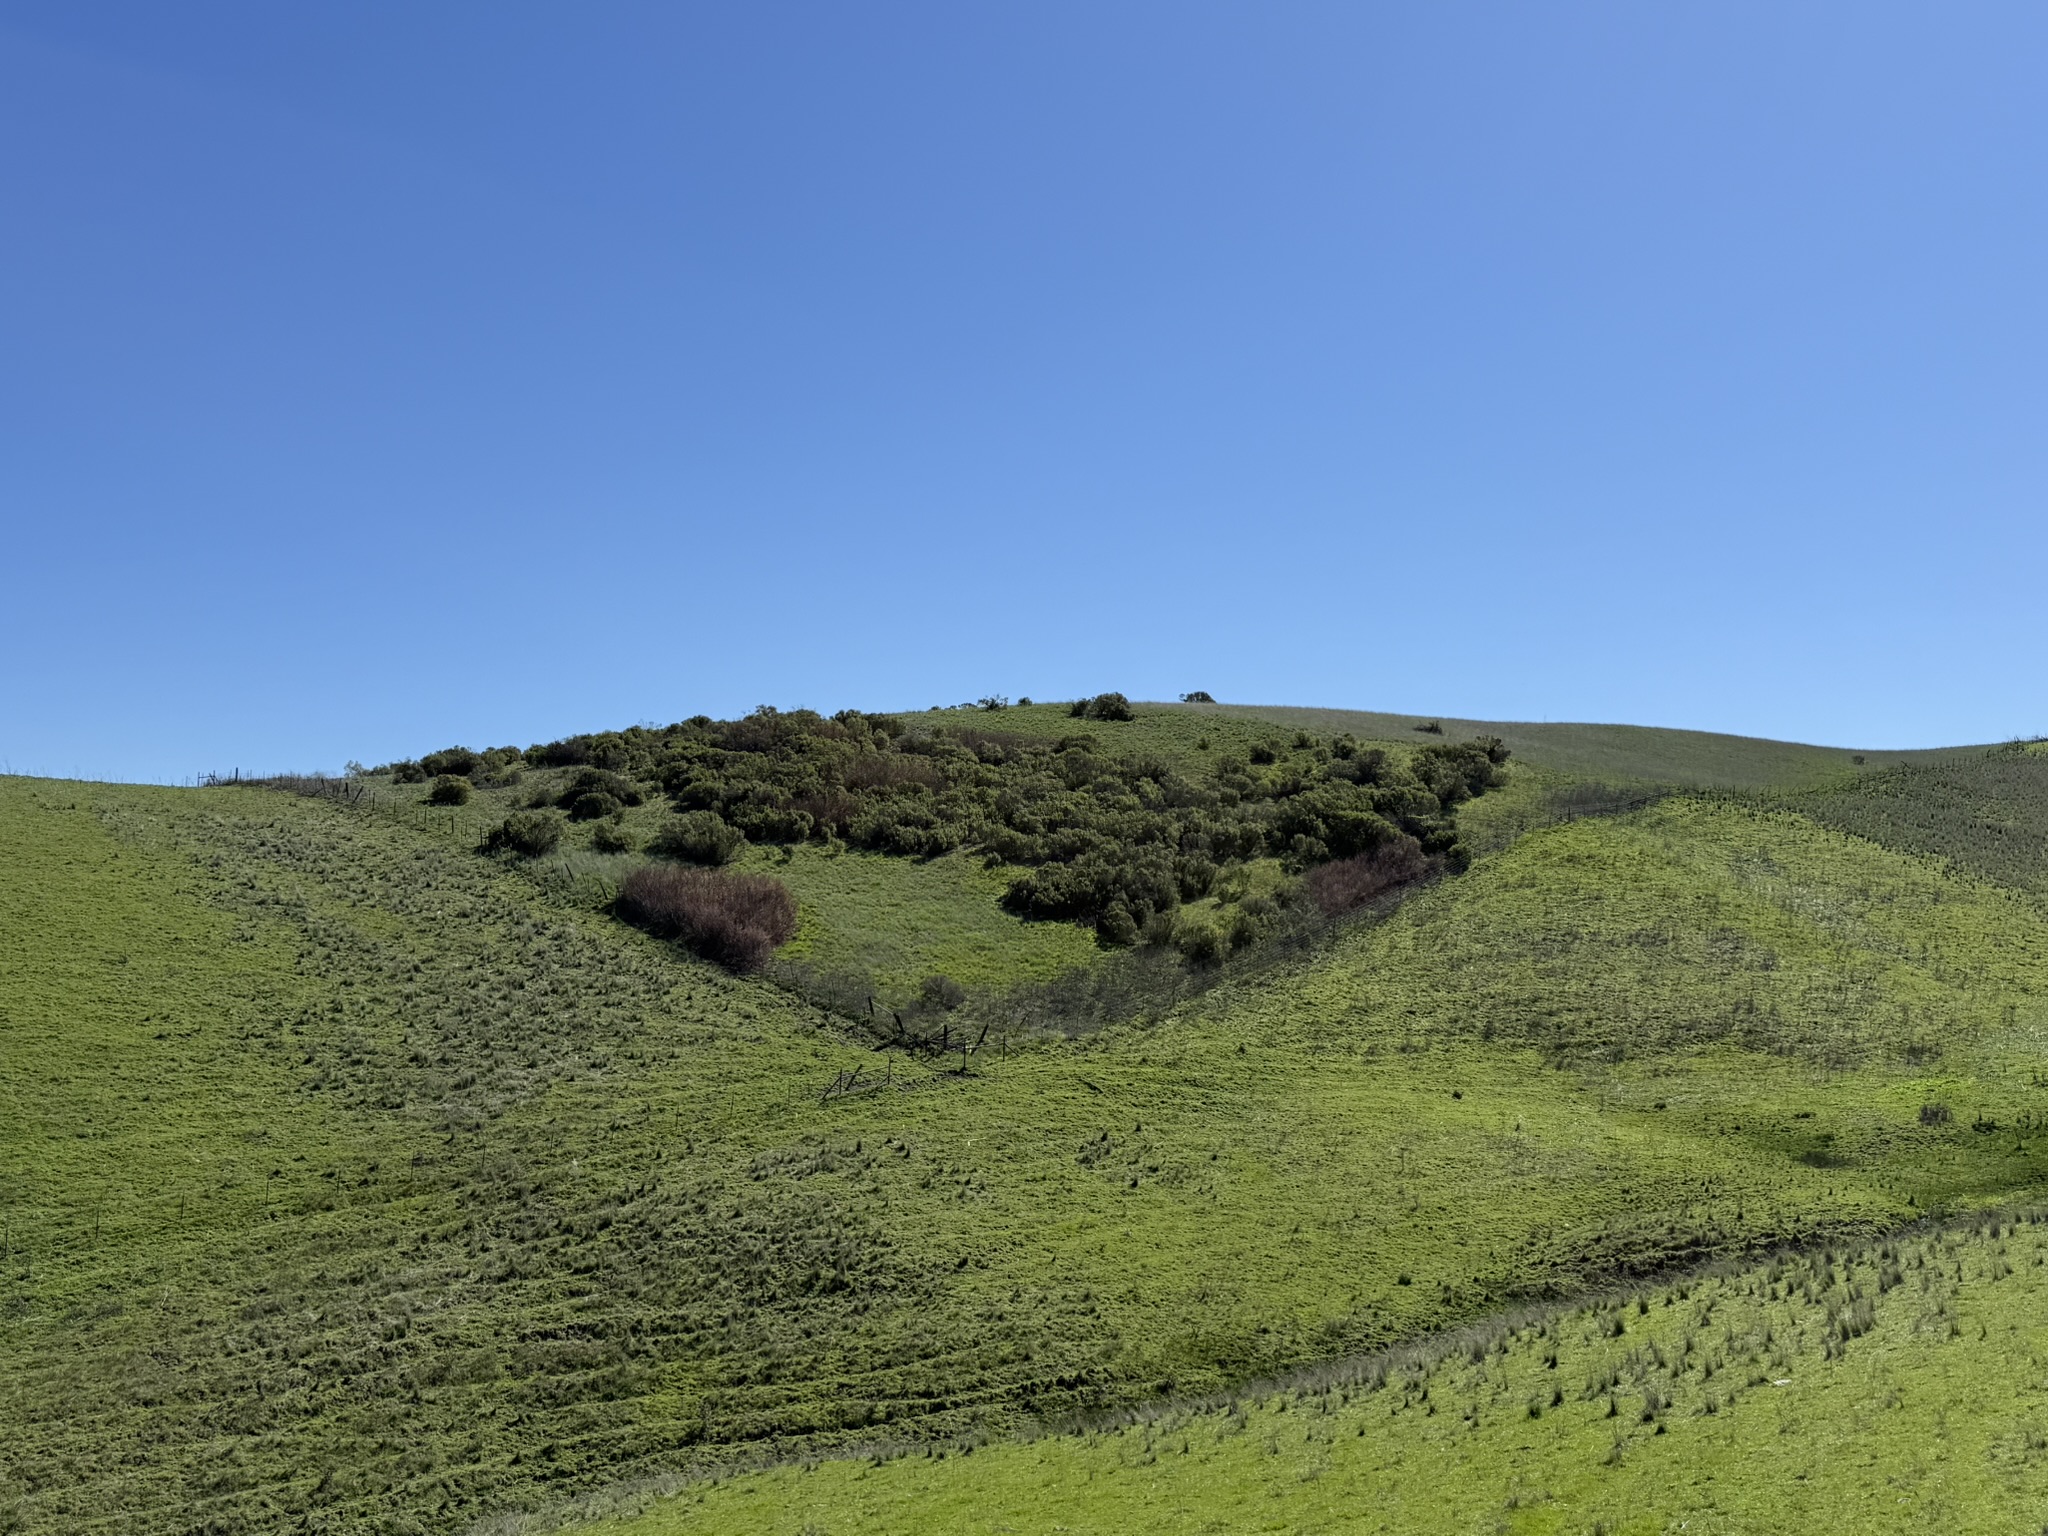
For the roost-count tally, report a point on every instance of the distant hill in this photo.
(1697, 759)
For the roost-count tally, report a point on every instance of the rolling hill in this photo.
(354, 1180)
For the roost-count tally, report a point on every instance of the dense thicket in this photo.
(1106, 838)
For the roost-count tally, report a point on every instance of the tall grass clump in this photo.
(737, 920)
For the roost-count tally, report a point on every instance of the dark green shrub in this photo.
(736, 920)
(772, 823)
(1108, 706)
(459, 761)
(698, 837)
(1430, 727)
(1198, 696)
(599, 781)
(1455, 772)
(1194, 875)
(530, 834)
(1200, 941)
(1263, 754)
(1116, 926)
(408, 773)
(449, 790)
(594, 805)
(612, 837)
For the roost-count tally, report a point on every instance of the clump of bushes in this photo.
(449, 789)
(1104, 706)
(698, 837)
(595, 793)
(1102, 837)
(459, 761)
(737, 920)
(1198, 696)
(530, 834)
(599, 781)
(1455, 772)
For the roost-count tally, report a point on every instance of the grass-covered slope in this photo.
(353, 1181)
(1984, 812)
(1888, 1387)
(1656, 754)
(899, 921)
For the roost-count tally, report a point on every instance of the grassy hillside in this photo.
(1882, 1387)
(1984, 812)
(1699, 759)
(901, 920)
(352, 1181)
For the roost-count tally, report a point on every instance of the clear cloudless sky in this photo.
(375, 376)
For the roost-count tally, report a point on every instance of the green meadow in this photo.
(354, 1181)
(1890, 1386)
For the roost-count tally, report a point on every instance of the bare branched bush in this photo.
(737, 920)
(1350, 883)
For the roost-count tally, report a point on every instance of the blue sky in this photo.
(378, 376)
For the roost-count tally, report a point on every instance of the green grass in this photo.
(1696, 759)
(1985, 812)
(885, 922)
(1885, 1387)
(442, 1194)
(901, 920)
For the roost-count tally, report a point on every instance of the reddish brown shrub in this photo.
(736, 920)
(1348, 883)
